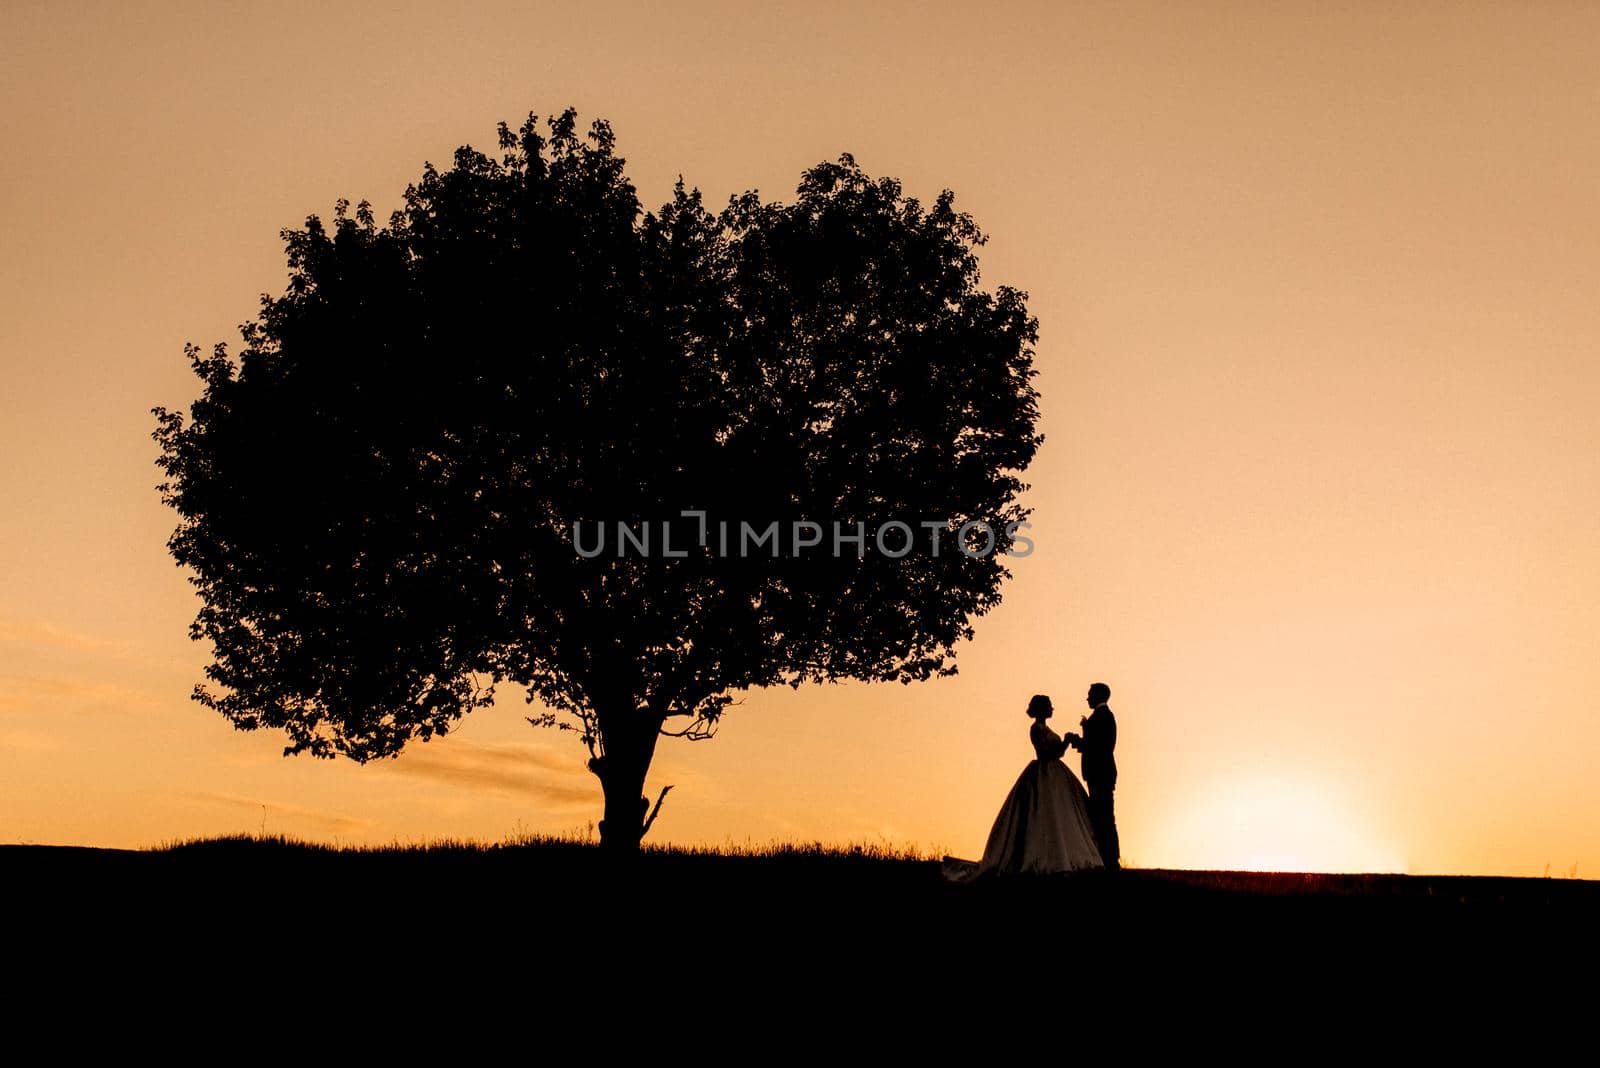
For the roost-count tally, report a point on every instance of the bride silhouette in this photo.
(1044, 824)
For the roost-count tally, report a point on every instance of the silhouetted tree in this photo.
(378, 498)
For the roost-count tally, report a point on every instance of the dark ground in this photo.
(714, 928)
(252, 880)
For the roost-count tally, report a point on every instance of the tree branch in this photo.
(698, 731)
(657, 811)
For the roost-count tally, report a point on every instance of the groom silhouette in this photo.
(1100, 770)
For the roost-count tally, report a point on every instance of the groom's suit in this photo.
(1100, 775)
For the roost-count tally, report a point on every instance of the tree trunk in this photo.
(630, 745)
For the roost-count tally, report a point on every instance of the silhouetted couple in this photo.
(1048, 822)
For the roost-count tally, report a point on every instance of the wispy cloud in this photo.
(29, 742)
(275, 812)
(75, 672)
(49, 694)
(512, 770)
(43, 632)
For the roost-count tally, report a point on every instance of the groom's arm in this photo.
(1094, 735)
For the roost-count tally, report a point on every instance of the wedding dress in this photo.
(1044, 824)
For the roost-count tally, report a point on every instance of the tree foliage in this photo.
(377, 498)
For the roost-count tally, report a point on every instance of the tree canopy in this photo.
(382, 500)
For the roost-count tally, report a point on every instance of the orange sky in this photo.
(1320, 496)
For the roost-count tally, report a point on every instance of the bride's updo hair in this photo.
(1040, 707)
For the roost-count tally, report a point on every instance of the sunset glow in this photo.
(1274, 825)
(1319, 495)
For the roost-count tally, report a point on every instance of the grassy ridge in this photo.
(555, 914)
(853, 876)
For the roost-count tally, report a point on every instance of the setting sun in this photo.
(1273, 824)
